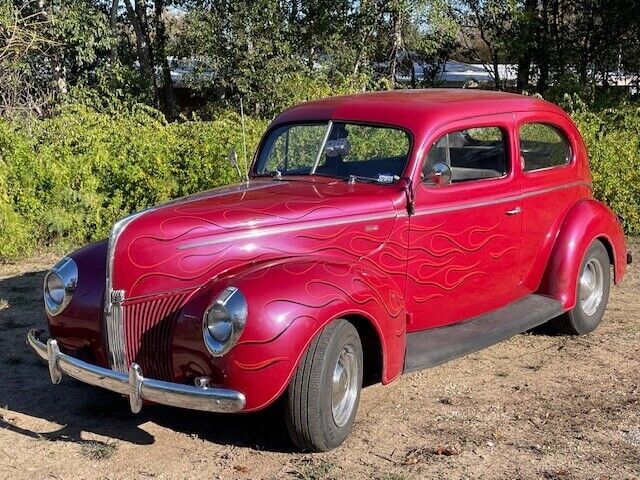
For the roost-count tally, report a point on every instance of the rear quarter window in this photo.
(543, 146)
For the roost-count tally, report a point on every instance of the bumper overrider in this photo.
(135, 385)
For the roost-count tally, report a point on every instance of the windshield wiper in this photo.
(359, 178)
(275, 174)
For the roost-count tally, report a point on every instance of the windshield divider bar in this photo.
(324, 144)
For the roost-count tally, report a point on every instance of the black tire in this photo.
(308, 409)
(577, 321)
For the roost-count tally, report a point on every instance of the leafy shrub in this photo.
(613, 142)
(15, 239)
(66, 179)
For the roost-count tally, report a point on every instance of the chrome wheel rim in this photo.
(591, 287)
(344, 388)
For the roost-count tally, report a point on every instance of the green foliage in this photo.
(66, 179)
(613, 142)
(368, 142)
(15, 240)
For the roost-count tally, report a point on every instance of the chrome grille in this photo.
(148, 331)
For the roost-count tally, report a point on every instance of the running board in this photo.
(428, 348)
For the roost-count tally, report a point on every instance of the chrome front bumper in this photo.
(134, 385)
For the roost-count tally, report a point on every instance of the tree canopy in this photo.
(272, 53)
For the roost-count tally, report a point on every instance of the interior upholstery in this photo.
(334, 166)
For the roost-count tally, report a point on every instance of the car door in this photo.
(549, 146)
(464, 238)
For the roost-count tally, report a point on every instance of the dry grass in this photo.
(94, 450)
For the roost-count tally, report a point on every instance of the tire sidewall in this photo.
(345, 335)
(580, 321)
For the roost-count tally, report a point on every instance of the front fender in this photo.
(587, 221)
(289, 302)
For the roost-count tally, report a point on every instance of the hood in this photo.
(186, 242)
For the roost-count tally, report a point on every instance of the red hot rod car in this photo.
(377, 234)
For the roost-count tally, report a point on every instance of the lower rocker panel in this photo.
(428, 348)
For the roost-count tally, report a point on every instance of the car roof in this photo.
(412, 108)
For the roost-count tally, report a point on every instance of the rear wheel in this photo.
(594, 283)
(323, 396)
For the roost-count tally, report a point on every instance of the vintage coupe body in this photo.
(376, 234)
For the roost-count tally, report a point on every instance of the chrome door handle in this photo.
(513, 211)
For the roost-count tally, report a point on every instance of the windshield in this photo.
(336, 149)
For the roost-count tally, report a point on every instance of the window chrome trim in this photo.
(506, 144)
(406, 171)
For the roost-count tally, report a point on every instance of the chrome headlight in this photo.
(59, 285)
(224, 321)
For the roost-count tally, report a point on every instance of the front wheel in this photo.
(323, 396)
(594, 284)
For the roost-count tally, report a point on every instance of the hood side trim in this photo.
(275, 230)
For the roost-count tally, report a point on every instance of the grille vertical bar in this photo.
(113, 302)
(115, 333)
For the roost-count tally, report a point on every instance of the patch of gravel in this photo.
(632, 435)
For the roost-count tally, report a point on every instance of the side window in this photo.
(543, 146)
(472, 154)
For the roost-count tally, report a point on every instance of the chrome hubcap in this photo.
(591, 287)
(344, 390)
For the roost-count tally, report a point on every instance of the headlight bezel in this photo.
(229, 307)
(66, 273)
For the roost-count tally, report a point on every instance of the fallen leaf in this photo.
(447, 451)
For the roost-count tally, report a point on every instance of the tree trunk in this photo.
(543, 51)
(496, 73)
(396, 15)
(137, 17)
(169, 101)
(524, 60)
(557, 40)
(586, 44)
(113, 25)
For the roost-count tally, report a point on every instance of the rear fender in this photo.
(585, 222)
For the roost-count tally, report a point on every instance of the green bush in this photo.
(15, 185)
(613, 142)
(66, 179)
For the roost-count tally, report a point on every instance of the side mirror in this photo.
(440, 174)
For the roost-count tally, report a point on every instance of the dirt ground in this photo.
(536, 406)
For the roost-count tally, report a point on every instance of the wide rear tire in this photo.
(593, 286)
(323, 396)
